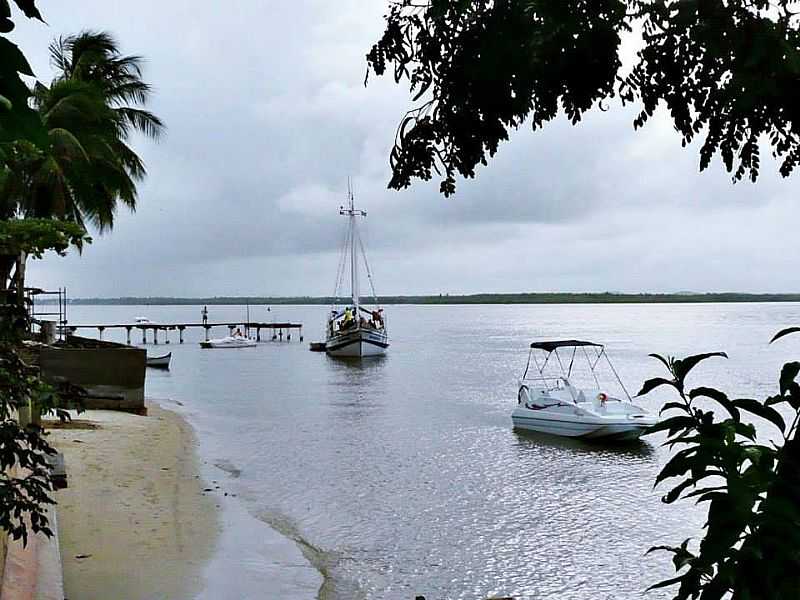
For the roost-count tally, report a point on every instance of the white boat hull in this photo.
(229, 342)
(617, 427)
(357, 343)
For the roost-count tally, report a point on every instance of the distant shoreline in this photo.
(528, 298)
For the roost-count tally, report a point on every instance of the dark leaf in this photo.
(683, 366)
(666, 583)
(652, 384)
(674, 405)
(663, 360)
(719, 397)
(783, 332)
(788, 375)
(28, 7)
(765, 412)
(673, 425)
(675, 492)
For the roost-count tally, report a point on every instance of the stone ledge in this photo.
(34, 572)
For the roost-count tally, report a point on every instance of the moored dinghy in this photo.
(159, 362)
(548, 402)
(355, 331)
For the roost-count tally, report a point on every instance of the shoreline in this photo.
(137, 519)
(524, 298)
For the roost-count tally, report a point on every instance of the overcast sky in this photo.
(268, 115)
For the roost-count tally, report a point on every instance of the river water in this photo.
(402, 475)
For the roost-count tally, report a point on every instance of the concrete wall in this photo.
(112, 374)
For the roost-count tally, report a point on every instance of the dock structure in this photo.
(276, 331)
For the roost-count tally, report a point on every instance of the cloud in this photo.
(268, 116)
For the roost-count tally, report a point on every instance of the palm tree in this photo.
(89, 110)
(86, 168)
(91, 60)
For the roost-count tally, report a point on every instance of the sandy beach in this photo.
(135, 521)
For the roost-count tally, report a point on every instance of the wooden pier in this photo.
(277, 330)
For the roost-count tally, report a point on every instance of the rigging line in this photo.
(338, 275)
(341, 268)
(366, 264)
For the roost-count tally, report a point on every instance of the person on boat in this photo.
(348, 318)
(238, 333)
(204, 314)
(377, 318)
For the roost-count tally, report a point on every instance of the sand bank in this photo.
(134, 521)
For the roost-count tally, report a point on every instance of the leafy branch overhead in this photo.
(725, 70)
(17, 119)
(752, 489)
(36, 236)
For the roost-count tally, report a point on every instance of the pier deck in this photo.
(277, 329)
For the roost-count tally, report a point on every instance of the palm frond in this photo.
(60, 57)
(142, 121)
(131, 90)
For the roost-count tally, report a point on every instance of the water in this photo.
(402, 475)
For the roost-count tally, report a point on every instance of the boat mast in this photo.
(352, 213)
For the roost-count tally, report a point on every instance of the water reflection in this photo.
(354, 389)
(532, 439)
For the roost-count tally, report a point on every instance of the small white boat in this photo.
(550, 403)
(159, 362)
(233, 341)
(355, 331)
(142, 321)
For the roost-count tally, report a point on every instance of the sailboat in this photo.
(355, 330)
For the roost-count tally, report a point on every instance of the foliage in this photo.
(752, 533)
(36, 236)
(25, 476)
(726, 70)
(17, 119)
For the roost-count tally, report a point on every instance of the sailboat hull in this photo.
(357, 343)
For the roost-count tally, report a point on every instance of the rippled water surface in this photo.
(403, 475)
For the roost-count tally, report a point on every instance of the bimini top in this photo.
(554, 345)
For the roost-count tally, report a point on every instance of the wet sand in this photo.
(135, 522)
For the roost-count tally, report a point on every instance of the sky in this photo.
(268, 115)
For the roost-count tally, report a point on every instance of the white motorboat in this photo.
(549, 402)
(355, 330)
(233, 341)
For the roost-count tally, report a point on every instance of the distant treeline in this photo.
(529, 298)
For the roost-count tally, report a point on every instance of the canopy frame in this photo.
(551, 348)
